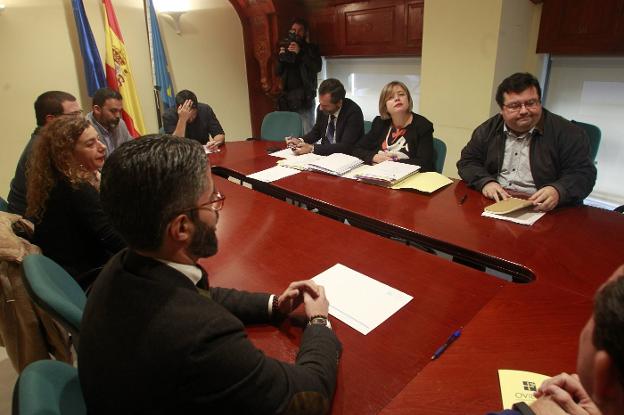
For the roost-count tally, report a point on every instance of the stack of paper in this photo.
(514, 210)
(301, 162)
(283, 154)
(387, 173)
(357, 300)
(272, 174)
(336, 164)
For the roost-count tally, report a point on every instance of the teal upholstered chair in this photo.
(439, 154)
(55, 291)
(48, 387)
(594, 137)
(279, 124)
(4, 206)
(367, 126)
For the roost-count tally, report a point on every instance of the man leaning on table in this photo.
(598, 389)
(527, 149)
(339, 123)
(151, 341)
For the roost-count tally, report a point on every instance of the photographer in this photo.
(298, 63)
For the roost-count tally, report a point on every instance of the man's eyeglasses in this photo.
(73, 113)
(216, 202)
(516, 106)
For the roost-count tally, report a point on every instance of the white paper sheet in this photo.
(272, 174)
(283, 154)
(357, 300)
(301, 162)
(523, 217)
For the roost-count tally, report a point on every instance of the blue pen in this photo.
(445, 346)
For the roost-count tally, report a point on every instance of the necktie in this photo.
(331, 129)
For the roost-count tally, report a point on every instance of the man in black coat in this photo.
(528, 149)
(339, 123)
(151, 341)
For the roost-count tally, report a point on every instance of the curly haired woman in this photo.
(63, 198)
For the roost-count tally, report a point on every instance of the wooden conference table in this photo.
(567, 255)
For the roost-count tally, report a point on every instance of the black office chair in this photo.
(4, 206)
(619, 209)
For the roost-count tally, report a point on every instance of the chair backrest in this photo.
(279, 124)
(54, 290)
(594, 137)
(367, 126)
(4, 206)
(48, 387)
(439, 153)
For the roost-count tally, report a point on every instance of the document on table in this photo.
(301, 162)
(427, 182)
(526, 216)
(518, 385)
(357, 300)
(272, 174)
(283, 154)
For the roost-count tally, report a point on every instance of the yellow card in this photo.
(518, 385)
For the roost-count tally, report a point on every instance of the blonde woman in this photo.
(63, 198)
(398, 133)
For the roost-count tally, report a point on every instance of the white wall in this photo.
(40, 52)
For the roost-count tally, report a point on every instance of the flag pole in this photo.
(156, 89)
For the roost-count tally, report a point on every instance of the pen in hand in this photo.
(446, 344)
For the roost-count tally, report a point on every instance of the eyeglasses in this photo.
(515, 106)
(72, 114)
(217, 200)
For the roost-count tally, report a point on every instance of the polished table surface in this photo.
(568, 254)
(264, 244)
(572, 247)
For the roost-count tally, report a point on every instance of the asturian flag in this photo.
(118, 74)
(94, 70)
(160, 69)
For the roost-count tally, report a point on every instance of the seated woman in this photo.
(63, 198)
(397, 133)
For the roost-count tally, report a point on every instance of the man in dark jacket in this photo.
(298, 63)
(528, 149)
(151, 341)
(339, 123)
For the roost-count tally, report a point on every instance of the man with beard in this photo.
(528, 149)
(106, 118)
(151, 340)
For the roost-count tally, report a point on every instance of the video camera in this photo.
(289, 56)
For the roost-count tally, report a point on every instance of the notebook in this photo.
(336, 164)
(387, 173)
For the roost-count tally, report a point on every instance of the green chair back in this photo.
(367, 126)
(439, 154)
(4, 206)
(54, 290)
(594, 137)
(48, 387)
(279, 124)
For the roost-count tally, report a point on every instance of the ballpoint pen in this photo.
(463, 199)
(446, 344)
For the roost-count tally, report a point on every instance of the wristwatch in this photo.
(320, 320)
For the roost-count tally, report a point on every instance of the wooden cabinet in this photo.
(367, 28)
(582, 27)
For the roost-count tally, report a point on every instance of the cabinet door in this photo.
(582, 27)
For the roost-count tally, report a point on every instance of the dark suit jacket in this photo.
(419, 137)
(150, 343)
(349, 129)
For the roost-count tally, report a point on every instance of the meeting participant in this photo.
(527, 149)
(63, 198)
(192, 119)
(106, 118)
(398, 133)
(151, 341)
(48, 106)
(599, 386)
(339, 123)
(298, 63)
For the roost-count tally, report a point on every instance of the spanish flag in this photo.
(118, 74)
